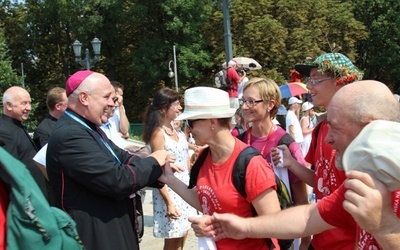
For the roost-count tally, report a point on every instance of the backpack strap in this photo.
(286, 139)
(239, 178)
(194, 172)
(240, 167)
(239, 181)
(241, 136)
(240, 129)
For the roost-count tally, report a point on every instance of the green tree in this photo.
(160, 25)
(8, 76)
(138, 36)
(280, 34)
(379, 54)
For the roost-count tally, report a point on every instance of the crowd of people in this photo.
(79, 160)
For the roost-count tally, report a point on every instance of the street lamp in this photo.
(171, 73)
(87, 62)
(227, 30)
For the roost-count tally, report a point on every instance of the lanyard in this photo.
(333, 152)
(271, 132)
(77, 119)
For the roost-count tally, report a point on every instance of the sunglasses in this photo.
(189, 123)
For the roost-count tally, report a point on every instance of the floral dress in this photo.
(163, 226)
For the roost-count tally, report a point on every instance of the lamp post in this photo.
(171, 73)
(227, 29)
(87, 62)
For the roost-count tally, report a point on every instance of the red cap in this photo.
(75, 80)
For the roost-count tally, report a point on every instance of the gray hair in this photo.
(7, 97)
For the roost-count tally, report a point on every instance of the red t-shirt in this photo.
(332, 211)
(217, 193)
(234, 78)
(327, 179)
(4, 201)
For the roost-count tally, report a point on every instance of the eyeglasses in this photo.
(314, 82)
(249, 103)
(189, 123)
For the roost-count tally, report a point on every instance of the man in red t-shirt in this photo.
(234, 79)
(327, 74)
(362, 206)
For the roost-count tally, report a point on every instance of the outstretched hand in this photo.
(200, 225)
(161, 156)
(221, 226)
(169, 168)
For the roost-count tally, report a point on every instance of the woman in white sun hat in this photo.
(208, 115)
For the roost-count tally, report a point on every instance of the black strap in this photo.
(240, 167)
(241, 136)
(194, 172)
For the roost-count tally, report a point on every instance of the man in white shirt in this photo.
(119, 119)
(109, 128)
(292, 120)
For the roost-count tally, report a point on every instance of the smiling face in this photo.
(98, 98)
(321, 92)
(342, 130)
(173, 111)
(257, 113)
(17, 103)
(353, 107)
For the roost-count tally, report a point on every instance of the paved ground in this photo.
(148, 240)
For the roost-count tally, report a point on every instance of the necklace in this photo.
(165, 130)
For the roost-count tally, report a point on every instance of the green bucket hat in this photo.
(336, 64)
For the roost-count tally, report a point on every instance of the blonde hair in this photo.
(268, 90)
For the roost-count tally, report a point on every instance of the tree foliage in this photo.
(138, 38)
(379, 54)
(8, 76)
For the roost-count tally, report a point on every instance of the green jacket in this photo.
(31, 222)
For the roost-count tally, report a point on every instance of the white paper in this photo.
(206, 243)
(40, 156)
(284, 175)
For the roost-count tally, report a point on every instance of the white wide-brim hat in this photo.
(376, 151)
(205, 103)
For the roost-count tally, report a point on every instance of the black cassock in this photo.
(16, 140)
(90, 184)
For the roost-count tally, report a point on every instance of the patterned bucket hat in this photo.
(335, 64)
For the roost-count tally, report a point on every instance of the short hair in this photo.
(268, 90)
(117, 85)
(54, 96)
